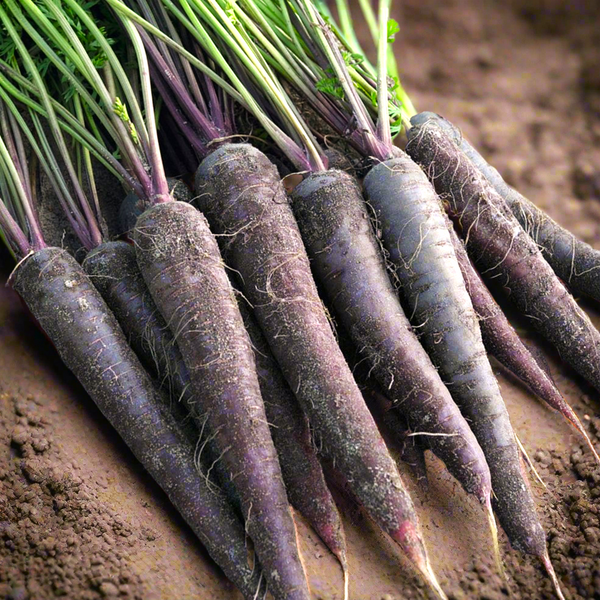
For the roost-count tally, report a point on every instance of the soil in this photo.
(80, 519)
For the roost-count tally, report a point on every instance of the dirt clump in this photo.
(56, 538)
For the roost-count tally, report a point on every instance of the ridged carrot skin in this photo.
(181, 264)
(302, 472)
(90, 342)
(113, 269)
(115, 273)
(501, 249)
(415, 234)
(574, 261)
(502, 341)
(241, 193)
(347, 260)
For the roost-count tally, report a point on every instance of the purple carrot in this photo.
(347, 261)
(574, 261)
(502, 341)
(113, 269)
(181, 264)
(242, 195)
(302, 472)
(90, 342)
(414, 233)
(501, 248)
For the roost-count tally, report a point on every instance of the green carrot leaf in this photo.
(392, 29)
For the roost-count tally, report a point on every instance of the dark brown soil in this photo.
(79, 517)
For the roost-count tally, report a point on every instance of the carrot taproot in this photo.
(502, 341)
(347, 260)
(181, 264)
(412, 448)
(133, 205)
(242, 195)
(415, 234)
(501, 249)
(573, 260)
(113, 269)
(302, 472)
(90, 342)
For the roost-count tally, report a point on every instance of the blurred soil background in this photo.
(80, 519)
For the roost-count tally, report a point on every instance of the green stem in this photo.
(119, 132)
(89, 219)
(87, 158)
(383, 119)
(23, 198)
(370, 18)
(159, 180)
(69, 124)
(123, 79)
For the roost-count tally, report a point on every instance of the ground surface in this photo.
(80, 519)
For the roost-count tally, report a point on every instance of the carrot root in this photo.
(495, 542)
(529, 462)
(552, 574)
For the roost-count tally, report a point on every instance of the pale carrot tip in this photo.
(530, 462)
(496, 544)
(429, 576)
(590, 444)
(346, 581)
(571, 416)
(552, 574)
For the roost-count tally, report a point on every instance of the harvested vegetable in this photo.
(246, 446)
(90, 342)
(261, 241)
(574, 261)
(502, 341)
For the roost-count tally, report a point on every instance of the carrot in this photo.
(414, 233)
(574, 261)
(500, 246)
(176, 235)
(273, 254)
(113, 269)
(240, 191)
(412, 449)
(346, 259)
(180, 261)
(91, 344)
(133, 205)
(302, 473)
(502, 341)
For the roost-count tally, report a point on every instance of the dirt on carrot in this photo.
(509, 74)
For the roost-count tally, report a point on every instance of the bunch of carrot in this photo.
(214, 310)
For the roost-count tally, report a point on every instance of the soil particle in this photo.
(56, 538)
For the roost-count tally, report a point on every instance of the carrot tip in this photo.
(346, 580)
(429, 576)
(570, 415)
(496, 544)
(589, 443)
(552, 574)
(409, 539)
